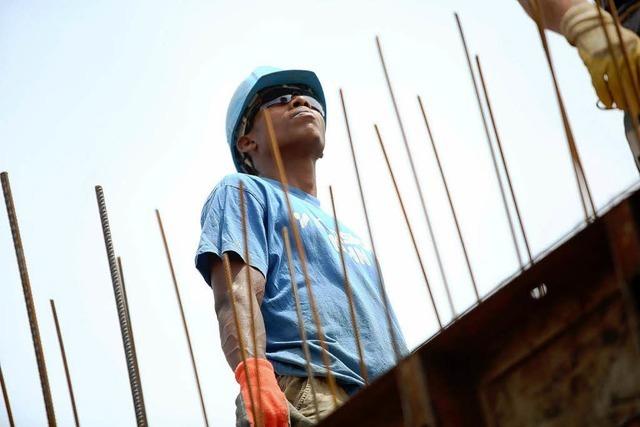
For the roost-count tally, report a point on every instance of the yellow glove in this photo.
(582, 27)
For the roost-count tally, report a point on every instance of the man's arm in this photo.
(229, 337)
(259, 388)
(553, 11)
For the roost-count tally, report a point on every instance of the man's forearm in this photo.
(552, 10)
(232, 338)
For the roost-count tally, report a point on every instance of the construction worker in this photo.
(580, 22)
(295, 101)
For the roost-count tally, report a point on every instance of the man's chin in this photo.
(311, 145)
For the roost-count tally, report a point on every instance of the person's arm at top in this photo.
(553, 11)
(582, 25)
(274, 405)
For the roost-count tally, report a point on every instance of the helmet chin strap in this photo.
(247, 164)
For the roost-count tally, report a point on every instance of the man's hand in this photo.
(610, 75)
(268, 401)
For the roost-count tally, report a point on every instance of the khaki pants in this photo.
(300, 396)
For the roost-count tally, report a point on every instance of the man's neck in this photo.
(300, 173)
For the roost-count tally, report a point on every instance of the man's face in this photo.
(299, 129)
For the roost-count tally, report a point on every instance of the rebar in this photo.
(28, 299)
(414, 173)
(632, 115)
(625, 54)
(581, 179)
(182, 316)
(300, 317)
(5, 395)
(347, 290)
(123, 315)
(65, 363)
(489, 145)
(236, 320)
(284, 183)
(250, 293)
(408, 223)
(504, 161)
(381, 284)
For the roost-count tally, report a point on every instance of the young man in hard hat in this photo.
(295, 101)
(580, 22)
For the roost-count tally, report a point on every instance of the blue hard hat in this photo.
(260, 79)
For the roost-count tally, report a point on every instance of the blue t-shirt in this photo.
(266, 216)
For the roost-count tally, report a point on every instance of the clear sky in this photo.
(133, 96)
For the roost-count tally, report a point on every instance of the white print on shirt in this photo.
(351, 244)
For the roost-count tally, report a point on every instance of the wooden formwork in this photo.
(523, 357)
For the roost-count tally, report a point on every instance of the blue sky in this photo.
(133, 95)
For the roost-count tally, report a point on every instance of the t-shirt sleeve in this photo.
(221, 223)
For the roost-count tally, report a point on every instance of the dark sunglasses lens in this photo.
(315, 105)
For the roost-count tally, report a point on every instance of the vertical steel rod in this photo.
(182, 316)
(632, 115)
(28, 299)
(448, 193)
(250, 293)
(5, 395)
(301, 328)
(347, 290)
(236, 321)
(406, 219)
(504, 162)
(581, 179)
(126, 300)
(423, 203)
(489, 145)
(623, 48)
(383, 292)
(284, 183)
(65, 363)
(123, 315)
(405, 387)
(126, 305)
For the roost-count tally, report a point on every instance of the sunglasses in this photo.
(285, 99)
(276, 97)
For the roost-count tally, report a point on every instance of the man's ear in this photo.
(246, 145)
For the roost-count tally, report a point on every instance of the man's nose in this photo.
(299, 101)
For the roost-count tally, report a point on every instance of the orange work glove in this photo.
(275, 409)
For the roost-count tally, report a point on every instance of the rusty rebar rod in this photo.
(284, 183)
(5, 396)
(489, 145)
(126, 304)
(408, 223)
(65, 362)
(414, 173)
(581, 180)
(504, 161)
(28, 299)
(125, 298)
(123, 315)
(347, 290)
(251, 296)
(300, 317)
(623, 48)
(182, 316)
(381, 284)
(633, 115)
(236, 320)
